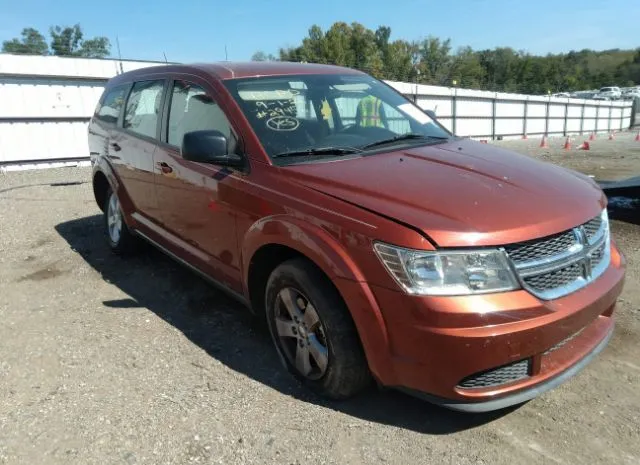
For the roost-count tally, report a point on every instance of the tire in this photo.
(294, 290)
(120, 239)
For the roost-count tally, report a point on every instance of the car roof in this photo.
(233, 70)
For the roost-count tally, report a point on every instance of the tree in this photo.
(435, 61)
(98, 47)
(69, 41)
(31, 43)
(261, 56)
(432, 61)
(65, 41)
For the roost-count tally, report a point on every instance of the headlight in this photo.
(448, 272)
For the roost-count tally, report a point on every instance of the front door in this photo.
(197, 199)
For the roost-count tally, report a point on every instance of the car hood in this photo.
(460, 193)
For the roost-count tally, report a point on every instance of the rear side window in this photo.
(109, 109)
(142, 114)
(192, 109)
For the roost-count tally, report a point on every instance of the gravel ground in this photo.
(606, 160)
(138, 361)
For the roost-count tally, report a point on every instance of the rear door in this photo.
(105, 119)
(133, 145)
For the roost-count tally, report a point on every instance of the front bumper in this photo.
(434, 343)
(517, 397)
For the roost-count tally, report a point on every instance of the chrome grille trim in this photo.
(548, 267)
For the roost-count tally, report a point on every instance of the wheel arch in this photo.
(274, 240)
(101, 186)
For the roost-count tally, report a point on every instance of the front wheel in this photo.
(313, 331)
(120, 239)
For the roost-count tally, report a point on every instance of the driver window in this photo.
(192, 109)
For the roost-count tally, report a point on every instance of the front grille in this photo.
(557, 265)
(497, 376)
(535, 250)
(592, 228)
(563, 342)
(597, 255)
(555, 279)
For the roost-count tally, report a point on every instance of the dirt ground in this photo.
(606, 160)
(111, 361)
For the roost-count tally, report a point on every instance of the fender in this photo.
(103, 166)
(328, 254)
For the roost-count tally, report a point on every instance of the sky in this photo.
(192, 30)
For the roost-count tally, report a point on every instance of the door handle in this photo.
(165, 167)
(116, 147)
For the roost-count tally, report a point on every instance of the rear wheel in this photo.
(120, 239)
(313, 331)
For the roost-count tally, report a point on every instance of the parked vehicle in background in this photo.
(631, 93)
(561, 95)
(612, 93)
(373, 242)
(599, 96)
(582, 95)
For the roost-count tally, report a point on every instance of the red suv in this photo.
(373, 242)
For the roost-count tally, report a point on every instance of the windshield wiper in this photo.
(319, 151)
(401, 137)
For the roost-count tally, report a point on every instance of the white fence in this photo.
(497, 115)
(46, 102)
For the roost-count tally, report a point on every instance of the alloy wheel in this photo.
(301, 335)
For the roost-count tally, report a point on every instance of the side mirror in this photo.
(431, 114)
(209, 146)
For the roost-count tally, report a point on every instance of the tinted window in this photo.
(109, 110)
(143, 108)
(192, 109)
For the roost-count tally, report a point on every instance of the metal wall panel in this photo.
(556, 111)
(442, 106)
(26, 141)
(574, 111)
(473, 127)
(535, 126)
(509, 126)
(511, 109)
(589, 125)
(466, 107)
(573, 125)
(538, 110)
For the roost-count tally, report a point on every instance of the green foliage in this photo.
(65, 41)
(432, 61)
(31, 43)
(261, 56)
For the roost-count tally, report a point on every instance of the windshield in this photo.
(305, 115)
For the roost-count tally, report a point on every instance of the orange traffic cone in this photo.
(592, 136)
(567, 144)
(584, 146)
(637, 139)
(544, 143)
